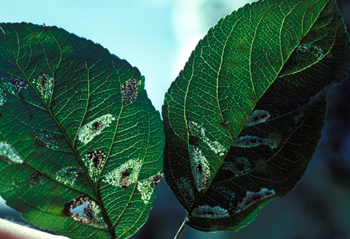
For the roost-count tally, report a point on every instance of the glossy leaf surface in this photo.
(244, 117)
(81, 145)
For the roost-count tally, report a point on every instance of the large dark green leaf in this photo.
(81, 145)
(244, 117)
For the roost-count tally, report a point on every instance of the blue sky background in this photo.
(157, 36)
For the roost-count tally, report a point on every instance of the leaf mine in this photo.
(97, 126)
(3, 97)
(312, 49)
(35, 178)
(156, 179)
(186, 190)
(84, 210)
(49, 139)
(227, 194)
(8, 154)
(44, 85)
(29, 181)
(124, 179)
(68, 175)
(200, 168)
(146, 189)
(206, 211)
(196, 131)
(147, 186)
(238, 167)
(257, 117)
(97, 157)
(94, 162)
(90, 130)
(130, 90)
(253, 197)
(249, 141)
(124, 175)
(14, 84)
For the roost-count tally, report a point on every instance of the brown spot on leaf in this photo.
(156, 179)
(43, 79)
(124, 179)
(97, 157)
(97, 126)
(36, 176)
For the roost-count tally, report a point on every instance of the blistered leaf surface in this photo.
(80, 142)
(244, 117)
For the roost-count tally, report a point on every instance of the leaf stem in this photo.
(181, 229)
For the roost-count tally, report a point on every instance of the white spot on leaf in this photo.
(199, 132)
(44, 85)
(14, 85)
(92, 170)
(68, 175)
(216, 147)
(94, 162)
(90, 130)
(34, 179)
(130, 91)
(3, 97)
(311, 49)
(186, 190)
(8, 154)
(257, 117)
(206, 211)
(124, 175)
(196, 130)
(253, 197)
(146, 187)
(200, 167)
(48, 138)
(146, 190)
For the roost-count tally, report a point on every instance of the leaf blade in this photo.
(74, 113)
(246, 97)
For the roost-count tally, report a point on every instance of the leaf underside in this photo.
(244, 117)
(81, 145)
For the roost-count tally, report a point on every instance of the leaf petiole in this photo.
(181, 229)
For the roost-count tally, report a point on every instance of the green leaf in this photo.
(81, 145)
(244, 117)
